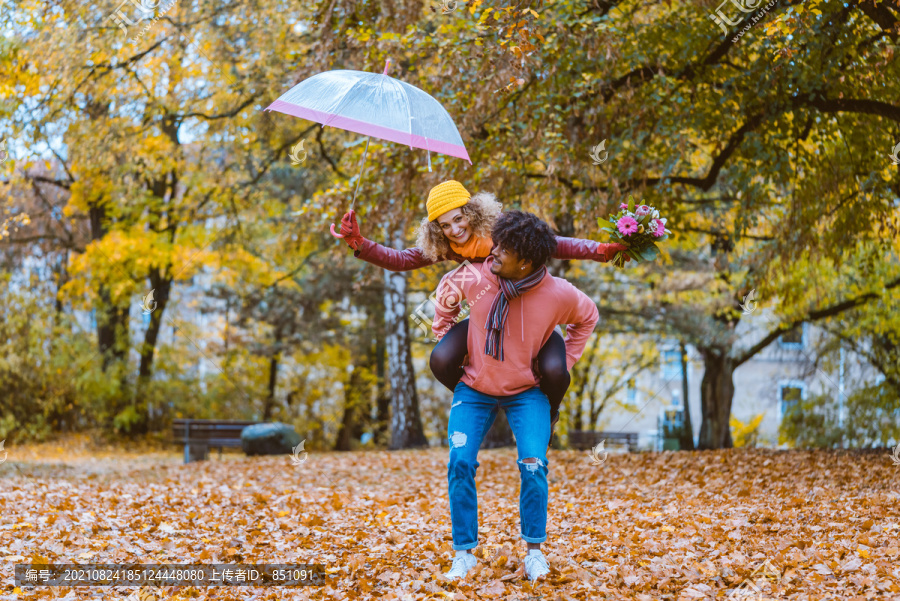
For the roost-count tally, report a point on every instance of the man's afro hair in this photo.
(526, 235)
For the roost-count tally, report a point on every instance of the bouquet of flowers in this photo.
(639, 228)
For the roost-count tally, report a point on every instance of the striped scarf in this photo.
(509, 289)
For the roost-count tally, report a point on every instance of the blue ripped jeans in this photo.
(471, 416)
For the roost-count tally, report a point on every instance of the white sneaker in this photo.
(461, 566)
(536, 566)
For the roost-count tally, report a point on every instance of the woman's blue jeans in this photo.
(471, 416)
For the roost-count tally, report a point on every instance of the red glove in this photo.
(349, 230)
(606, 252)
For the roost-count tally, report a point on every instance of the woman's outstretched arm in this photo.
(391, 259)
(377, 254)
(579, 248)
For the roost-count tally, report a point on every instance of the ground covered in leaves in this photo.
(692, 525)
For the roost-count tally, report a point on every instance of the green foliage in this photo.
(871, 419)
(127, 419)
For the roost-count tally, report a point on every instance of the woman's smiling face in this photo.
(455, 226)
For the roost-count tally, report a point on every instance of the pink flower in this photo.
(660, 229)
(623, 206)
(627, 226)
(642, 210)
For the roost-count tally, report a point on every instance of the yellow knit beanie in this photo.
(444, 197)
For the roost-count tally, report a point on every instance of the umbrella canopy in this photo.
(374, 104)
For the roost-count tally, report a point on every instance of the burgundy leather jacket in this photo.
(412, 258)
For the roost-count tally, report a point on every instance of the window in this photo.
(789, 396)
(671, 364)
(631, 393)
(794, 339)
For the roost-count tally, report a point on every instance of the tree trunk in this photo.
(273, 380)
(577, 416)
(112, 322)
(383, 398)
(581, 374)
(112, 325)
(161, 287)
(62, 274)
(357, 391)
(687, 432)
(406, 423)
(716, 395)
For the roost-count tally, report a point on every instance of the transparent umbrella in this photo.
(375, 105)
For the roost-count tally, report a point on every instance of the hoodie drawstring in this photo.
(522, 313)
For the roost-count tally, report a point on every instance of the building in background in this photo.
(768, 384)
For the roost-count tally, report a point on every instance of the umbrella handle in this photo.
(335, 234)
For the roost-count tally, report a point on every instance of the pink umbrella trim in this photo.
(369, 129)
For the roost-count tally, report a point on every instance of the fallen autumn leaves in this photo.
(644, 526)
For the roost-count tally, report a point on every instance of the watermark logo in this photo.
(748, 305)
(744, 6)
(145, 7)
(895, 457)
(148, 305)
(894, 158)
(448, 6)
(449, 295)
(295, 153)
(146, 28)
(758, 586)
(595, 153)
(4, 452)
(596, 459)
(450, 289)
(295, 458)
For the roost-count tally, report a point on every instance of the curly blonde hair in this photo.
(482, 211)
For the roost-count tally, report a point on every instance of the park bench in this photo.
(198, 435)
(588, 439)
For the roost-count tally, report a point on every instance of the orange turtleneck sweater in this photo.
(474, 248)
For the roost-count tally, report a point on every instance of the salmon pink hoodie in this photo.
(529, 324)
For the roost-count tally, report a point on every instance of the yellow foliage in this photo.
(745, 434)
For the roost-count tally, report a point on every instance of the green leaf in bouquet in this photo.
(603, 223)
(634, 254)
(631, 203)
(650, 253)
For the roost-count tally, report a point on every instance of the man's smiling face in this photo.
(507, 264)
